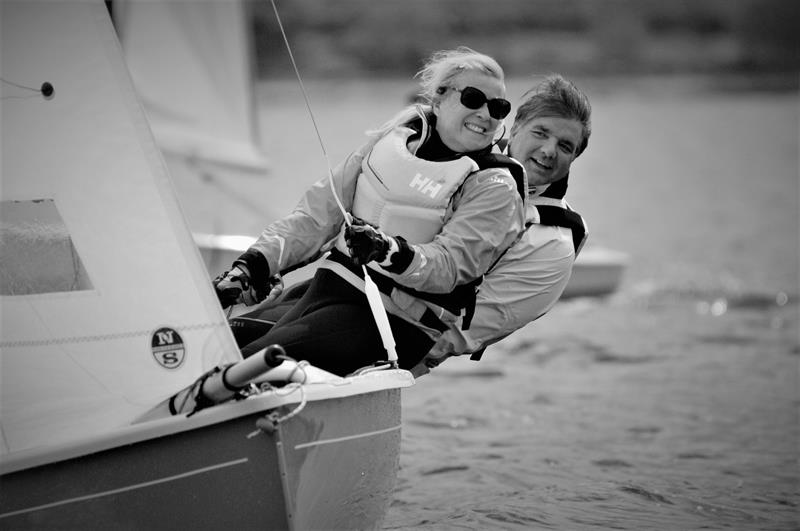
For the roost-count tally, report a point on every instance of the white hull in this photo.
(218, 469)
(597, 272)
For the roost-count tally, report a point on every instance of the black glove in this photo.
(367, 243)
(234, 287)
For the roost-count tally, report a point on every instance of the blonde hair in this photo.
(440, 68)
(444, 65)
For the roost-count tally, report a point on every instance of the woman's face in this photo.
(462, 129)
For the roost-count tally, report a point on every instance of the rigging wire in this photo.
(370, 288)
(18, 85)
(311, 114)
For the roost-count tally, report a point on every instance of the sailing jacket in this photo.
(482, 216)
(525, 283)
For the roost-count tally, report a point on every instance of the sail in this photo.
(105, 306)
(192, 66)
(198, 94)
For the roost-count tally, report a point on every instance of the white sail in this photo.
(192, 65)
(87, 197)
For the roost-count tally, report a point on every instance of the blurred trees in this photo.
(344, 38)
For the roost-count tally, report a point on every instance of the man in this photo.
(551, 129)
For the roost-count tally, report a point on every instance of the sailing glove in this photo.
(235, 286)
(366, 243)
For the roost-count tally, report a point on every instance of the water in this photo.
(671, 405)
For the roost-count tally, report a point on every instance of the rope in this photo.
(310, 113)
(375, 302)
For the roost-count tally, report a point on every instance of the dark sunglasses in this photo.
(473, 98)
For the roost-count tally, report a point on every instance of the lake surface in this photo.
(671, 405)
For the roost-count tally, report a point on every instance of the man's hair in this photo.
(556, 97)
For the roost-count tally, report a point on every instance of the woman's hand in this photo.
(234, 287)
(367, 243)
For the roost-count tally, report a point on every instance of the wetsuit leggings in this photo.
(331, 326)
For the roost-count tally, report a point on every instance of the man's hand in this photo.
(234, 287)
(367, 243)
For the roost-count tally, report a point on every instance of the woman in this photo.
(432, 211)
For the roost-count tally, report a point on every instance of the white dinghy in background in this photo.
(107, 311)
(598, 272)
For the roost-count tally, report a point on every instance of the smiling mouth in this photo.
(475, 128)
(541, 165)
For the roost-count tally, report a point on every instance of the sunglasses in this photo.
(472, 98)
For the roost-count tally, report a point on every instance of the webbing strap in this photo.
(385, 286)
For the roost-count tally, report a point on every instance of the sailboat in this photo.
(108, 313)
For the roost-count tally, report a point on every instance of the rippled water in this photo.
(673, 404)
(626, 414)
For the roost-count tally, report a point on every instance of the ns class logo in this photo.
(168, 348)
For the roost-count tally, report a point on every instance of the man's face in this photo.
(546, 146)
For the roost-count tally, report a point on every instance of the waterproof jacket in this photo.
(484, 216)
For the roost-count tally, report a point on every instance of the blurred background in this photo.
(692, 99)
(390, 38)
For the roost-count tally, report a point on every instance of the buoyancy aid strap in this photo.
(498, 160)
(562, 217)
(558, 189)
(478, 354)
(471, 299)
(430, 320)
(453, 302)
(386, 285)
(539, 200)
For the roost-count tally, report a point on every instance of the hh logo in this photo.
(425, 185)
(168, 349)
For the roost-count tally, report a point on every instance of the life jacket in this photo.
(556, 213)
(406, 196)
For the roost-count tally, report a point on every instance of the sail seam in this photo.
(103, 337)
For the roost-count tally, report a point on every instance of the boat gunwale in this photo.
(135, 433)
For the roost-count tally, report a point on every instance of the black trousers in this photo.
(331, 326)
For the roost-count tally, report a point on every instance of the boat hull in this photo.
(597, 272)
(333, 465)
